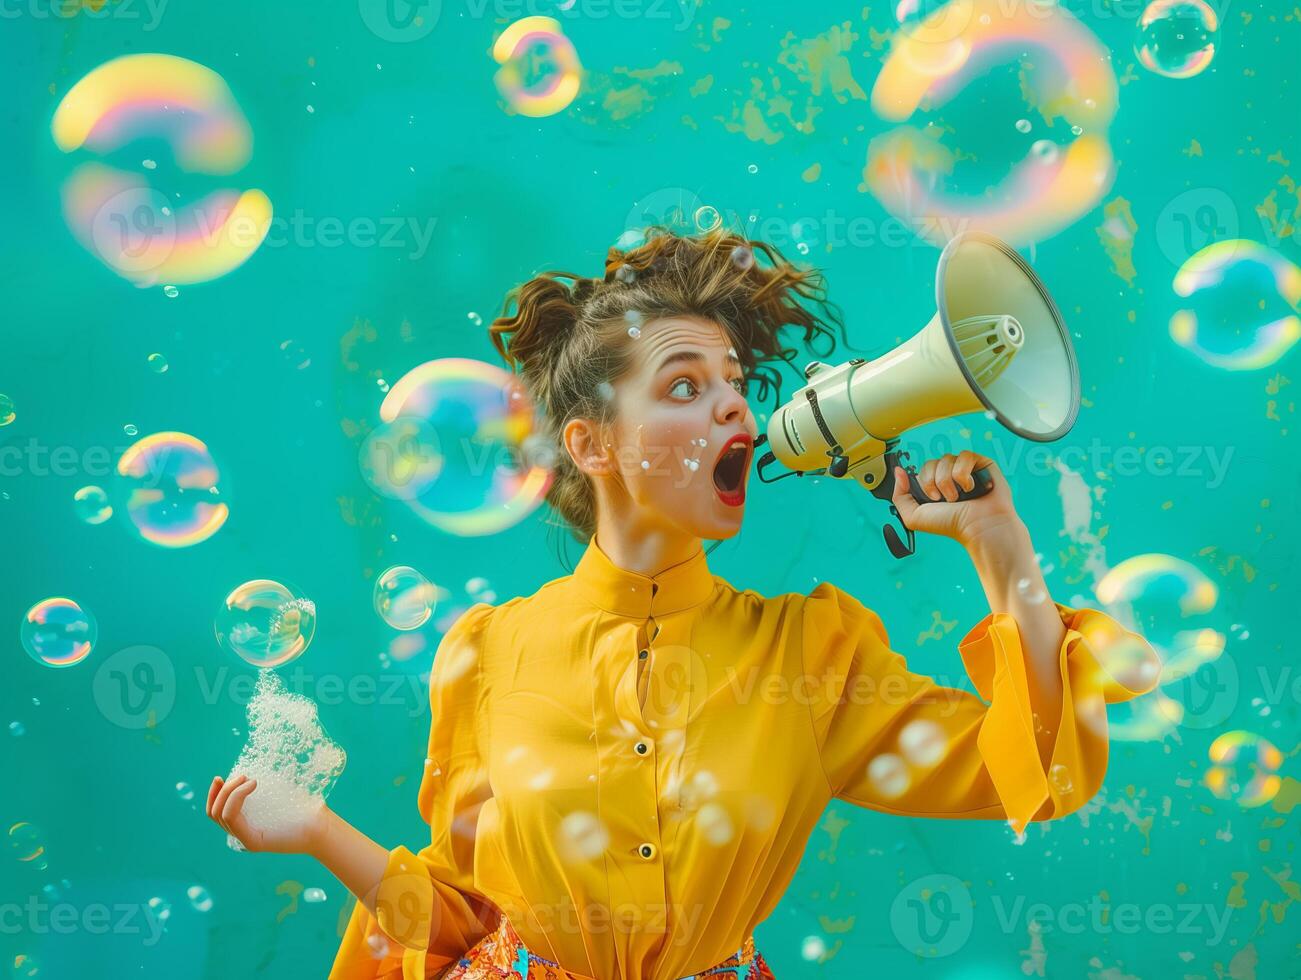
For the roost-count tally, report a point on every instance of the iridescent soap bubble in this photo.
(401, 459)
(707, 218)
(26, 966)
(494, 465)
(540, 72)
(57, 632)
(157, 363)
(404, 598)
(265, 623)
(7, 413)
(27, 843)
(1248, 307)
(1177, 38)
(199, 898)
(167, 483)
(1244, 768)
(92, 505)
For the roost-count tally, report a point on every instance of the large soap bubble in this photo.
(1176, 38)
(493, 467)
(58, 633)
(540, 72)
(266, 623)
(289, 754)
(168, 483)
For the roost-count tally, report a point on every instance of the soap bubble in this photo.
(168, 481)
(17, 729)
(1244, 769)
(27, 843)
(1177, 38)
(1246, 315)
(313, 895)
(199, 898)
(157, 363)
(289, 754)
(490, 474)
(160, 908)
(401, 459)
(404, 598)
(58, 633)
(923, 742)
(185, 791)
(265, 623)
(707, 218)
(25, 966)
(540, 72)
(92, 505)
(582, 837)
(889, 774)
(7, 413)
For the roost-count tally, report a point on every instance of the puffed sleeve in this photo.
(427, 912)
(896, 741)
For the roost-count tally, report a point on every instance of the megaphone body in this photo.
(997, 344)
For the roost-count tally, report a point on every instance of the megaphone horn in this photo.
(996, 344)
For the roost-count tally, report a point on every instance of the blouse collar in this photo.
(636, 596)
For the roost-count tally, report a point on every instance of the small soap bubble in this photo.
(753, 168)
(889, 774)
(1023, 125)
(171, 292)
(404, 598)
(91, 504)
(582, 836)
(813, 948)
(1044, 151)
(57, 632)
(634, 332)
(313, 895)
(27, 843)
(1177, 38)
(7, 413)
(802, 248)
(199, 898)
(645, 464)
(923, 743)
(265, 623)
(474, 318)
(157, 363)
(17, 729)
(742, 257)
(185, 791)
(26, 966)
(161, 908)
(707, 218)
(1077, 130)
(130, 429)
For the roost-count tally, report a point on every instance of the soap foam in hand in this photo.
(294, 762)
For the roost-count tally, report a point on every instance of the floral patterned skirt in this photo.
(502, 954)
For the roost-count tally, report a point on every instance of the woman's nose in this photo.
(731, 406)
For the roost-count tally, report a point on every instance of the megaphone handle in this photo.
(983, 484)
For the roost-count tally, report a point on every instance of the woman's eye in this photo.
(681, 381)
(740, 385)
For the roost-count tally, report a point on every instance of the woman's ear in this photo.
(587, 447)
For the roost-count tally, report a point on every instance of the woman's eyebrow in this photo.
(693, 356)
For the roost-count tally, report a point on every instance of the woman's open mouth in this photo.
(730, 470)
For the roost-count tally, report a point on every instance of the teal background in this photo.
(414, 128)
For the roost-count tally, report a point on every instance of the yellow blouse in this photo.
(629, 767)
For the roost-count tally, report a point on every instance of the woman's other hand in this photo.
(226, 809)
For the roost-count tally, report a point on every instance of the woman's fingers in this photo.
(223, 795)
(212, 795)
(944, 478)
(235, 802)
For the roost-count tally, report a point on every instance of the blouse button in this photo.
(642, 748)
(643, 654)
(647, 851)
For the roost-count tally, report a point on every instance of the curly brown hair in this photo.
(569, 336)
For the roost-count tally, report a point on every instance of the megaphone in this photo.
(997, 344)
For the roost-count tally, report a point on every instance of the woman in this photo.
(624, 767)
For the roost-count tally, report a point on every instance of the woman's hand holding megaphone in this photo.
(966, 521)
